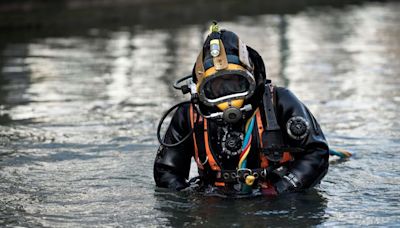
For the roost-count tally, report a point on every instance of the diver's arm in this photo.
(172, 164)
(310, 166)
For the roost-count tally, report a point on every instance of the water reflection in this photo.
(81, 111)
(180, 210)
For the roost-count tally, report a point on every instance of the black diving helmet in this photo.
(223, 76)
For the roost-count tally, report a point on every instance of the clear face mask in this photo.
(226, 86)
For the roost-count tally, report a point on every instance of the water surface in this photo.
(78, 116)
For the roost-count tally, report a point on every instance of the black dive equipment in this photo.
(297, 127)
(231, 141)
(187, 88)
(272, 136)
(230, 115)
(162, 120)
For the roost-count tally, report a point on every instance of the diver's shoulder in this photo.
(283, 92)
(285, 95)
(184, 108)
(280, 89)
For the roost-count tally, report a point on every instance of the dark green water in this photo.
(78, 115)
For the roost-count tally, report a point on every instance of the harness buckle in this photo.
(273, 153)
(242, 173)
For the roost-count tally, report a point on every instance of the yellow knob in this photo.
(250, 180)
(214, 27)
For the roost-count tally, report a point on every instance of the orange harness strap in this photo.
(213, 164)
(193, 116)
(286, 157)
(260, 127)
(211, 160)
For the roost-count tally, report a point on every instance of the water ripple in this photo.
(78, 116)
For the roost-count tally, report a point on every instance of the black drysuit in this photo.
(172, 164)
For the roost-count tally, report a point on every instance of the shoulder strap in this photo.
(272, 124)
(209, 155)
(270, 152)
(272, 136)
(211, 160)
(193, 116)
(260, 127)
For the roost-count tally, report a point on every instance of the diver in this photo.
(247, 136)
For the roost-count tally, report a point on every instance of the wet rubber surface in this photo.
(78, 116)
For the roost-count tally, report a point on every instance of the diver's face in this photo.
(225, 85)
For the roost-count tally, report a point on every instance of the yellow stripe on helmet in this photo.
(238, 103)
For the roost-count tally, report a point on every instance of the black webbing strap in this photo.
(272, 135)
(272, 124)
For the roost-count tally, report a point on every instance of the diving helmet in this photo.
(223, 75)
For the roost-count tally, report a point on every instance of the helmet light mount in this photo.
(214, 47)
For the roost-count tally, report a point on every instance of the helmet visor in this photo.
(225, 86)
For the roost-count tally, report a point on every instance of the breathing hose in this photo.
(162, 121)
(176, 83)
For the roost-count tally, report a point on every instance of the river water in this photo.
(78, 116)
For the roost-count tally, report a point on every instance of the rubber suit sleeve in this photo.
(172, 164)
(310, 166)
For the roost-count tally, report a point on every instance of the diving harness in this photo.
(272, 146)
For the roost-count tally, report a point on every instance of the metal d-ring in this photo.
(255, 174)
(225, 176)
(264, 173)
(242, 172)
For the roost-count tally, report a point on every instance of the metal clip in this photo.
(242, 173)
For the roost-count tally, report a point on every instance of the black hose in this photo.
(162, 121)
(175, 85)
